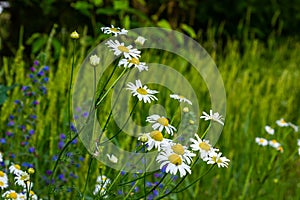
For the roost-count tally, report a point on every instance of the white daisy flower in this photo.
(274, 144)
(142, 92)
(103, 180)
(155, 140)
(280, 148)
(1, 157)
(22, 179)
(282, 123)
(203, 146)
(140, 40)
(112, 158)
(128, 63)
(216, 158)
(180, 150)
(173, 163)
(293, 126)
(160, 123)
(15, 169)
(180, 98)
(94, 60)
(298, 142)
(3, 180)
(10, 194)
(261, 141)
(213, 116)
(269, 130)
(299, 151)
(114, 30)
(119, 48)
(99, 190)
(143, 138)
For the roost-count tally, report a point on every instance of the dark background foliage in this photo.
(261, 17)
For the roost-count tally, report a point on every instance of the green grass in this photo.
(262, 85)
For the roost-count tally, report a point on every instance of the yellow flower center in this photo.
(144, 138)
(163, 121)
(274, 141)
(156, 135)
(175, 159)
(1, 183)
(12, 195)
(204, 146)
(142, 91)
(261, 140)
(181, 97)
(17, 166)
(1, 174)
(178, 149)
(114, 30)
(280, 149)
(123, 49)
(135, 61)
(282, 121)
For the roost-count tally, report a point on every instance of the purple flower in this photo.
(31, 76)
(46, 79)
(2, 141)
(46, 68)
(35, 102)
(48, 172)
(27, 165)
(9, 134)
(54, 158)
(31, 150)
(40, 73)
(73, 128)
(61, 177)
(62, 136)
(11, 123)
(36, 63)
(31, 132)
(74, 141)
(85, 114)
(61, 144)
(32, 69)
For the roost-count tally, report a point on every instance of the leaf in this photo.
(189, 30)
(164, 24)
(83, 7)
(121, 5)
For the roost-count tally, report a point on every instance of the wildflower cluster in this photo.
(22, 187)
(22, 122)
(271, 131)
(172, 156)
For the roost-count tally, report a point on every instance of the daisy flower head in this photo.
(282, 123)
(94, 60)
(269, 130)
(213, 117)
(128, 63)
(298, 142)
(217, 158)
(119, 48)
(296, 128)
(173, 163)
(203, 146)
(140, 40)
(15, 169)
(274, 144)
(180, 98)
(3, 180)
(261, 141)
(10, 194)
(1, 157)
(103, 180)
(180, 150)
(143, 138)
(142, 92)
(160, 123)
(114, 30)
(155, 140)
(22, 179)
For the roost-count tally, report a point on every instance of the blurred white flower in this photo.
(180, 98)
(282, 123)
(261, 141)
(128, 63)
(269, 130)
(274, 144)
(294, 127)
(203, 146)
(216, 158)
(94, 60)
(112, 158)
(140, 40)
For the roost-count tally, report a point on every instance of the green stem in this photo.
(70, 86)
(87, 177)
(205, 132)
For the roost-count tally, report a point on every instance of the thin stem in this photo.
(70, 86)
(205, 132)
(87, 177)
